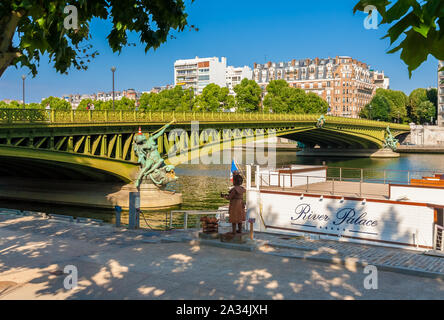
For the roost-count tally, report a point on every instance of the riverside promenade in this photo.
(115, 263)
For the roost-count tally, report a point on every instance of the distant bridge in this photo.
(98, 144)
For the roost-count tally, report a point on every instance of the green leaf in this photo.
(422, 29)
(41, 22)
(396, 30)
(398, 10)
(415, 49)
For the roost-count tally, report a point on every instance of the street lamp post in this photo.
(113, 69)
(370, 112)
(23, 78)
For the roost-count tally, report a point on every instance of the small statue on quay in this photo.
(237, 214)
(152, 166)
(321, 122)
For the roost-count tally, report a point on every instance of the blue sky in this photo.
(244, 31)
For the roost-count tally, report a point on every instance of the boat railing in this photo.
(438, 243)
(371, 175)
(340, 181)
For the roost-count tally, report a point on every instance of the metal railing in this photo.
(341, 181)
(438, 243)
(166, 220)
(184, 217)
(8, 116)
(385, 176)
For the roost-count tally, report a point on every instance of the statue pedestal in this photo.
(385, 153)
(238, 238)
(151, 197)
(209, 236)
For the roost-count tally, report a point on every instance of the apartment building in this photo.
(234, 76)
(345, 83)
(75, 99)
(197, 73)
(441, 95)
(380, 79)
(160, 89)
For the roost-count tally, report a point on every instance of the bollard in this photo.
(134, 210)
(252, 221)
(118, 213)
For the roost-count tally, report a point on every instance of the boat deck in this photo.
(339, 188)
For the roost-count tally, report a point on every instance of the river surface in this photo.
(201, 185)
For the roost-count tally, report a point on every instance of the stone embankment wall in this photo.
(427, 135)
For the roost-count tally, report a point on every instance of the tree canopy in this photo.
(377, 109)
(214, 98)
(248, 96)
(398, 101)
(56, 103)
(175, 99)
(420, 107)
(417, 28)
(394, 106)
(281, 98)
(32, 28)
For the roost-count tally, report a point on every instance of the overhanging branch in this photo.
(8, 26)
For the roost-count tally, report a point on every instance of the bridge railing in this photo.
(23, 115)
(8, 116)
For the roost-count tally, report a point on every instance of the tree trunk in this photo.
(6, 60)
(8, 26)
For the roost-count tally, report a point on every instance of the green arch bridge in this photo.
(98, 144)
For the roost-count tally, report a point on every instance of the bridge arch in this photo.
(72, 166)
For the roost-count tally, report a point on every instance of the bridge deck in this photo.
(340, 188)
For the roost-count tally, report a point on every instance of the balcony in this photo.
(186, 67)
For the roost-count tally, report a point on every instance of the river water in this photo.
(201, 185)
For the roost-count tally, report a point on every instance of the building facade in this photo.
(197, 73)
(160, 89)
(75, 99)
(345, 83)
(380, 79)
(441, 95)
(234, 76)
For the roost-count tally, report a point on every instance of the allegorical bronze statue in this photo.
(152, 166)
(390, 141)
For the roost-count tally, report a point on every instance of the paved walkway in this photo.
(391, 259)
(120, 264)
